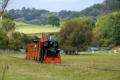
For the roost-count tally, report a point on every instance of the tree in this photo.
(107, 30)
(74, 15)
(75, 35)
(64, 13)
(6, 15)
(113, 4)
(116, 29)
(3, 5)
(53, 20)
(103, 30)
(7, 25)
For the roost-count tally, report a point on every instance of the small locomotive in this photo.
(44, 52)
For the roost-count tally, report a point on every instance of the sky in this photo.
(53, 5)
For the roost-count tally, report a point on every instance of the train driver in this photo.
(51, 38)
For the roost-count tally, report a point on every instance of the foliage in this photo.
(76, 35)
(116, 29)
(17, 41)
(64, 13)
(6, 15)
(32, 16)
(7, 25)
(112, 4)
(21, 40)
(4, 40)
(53, 20)
(106, 7)
(3, 5)
(107, 30)
(11, 44)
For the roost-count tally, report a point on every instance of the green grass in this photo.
(85, 66)
(33, 29)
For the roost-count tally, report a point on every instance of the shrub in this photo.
(76, 35)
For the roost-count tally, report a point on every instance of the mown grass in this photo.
(33, 29)
(85, 66)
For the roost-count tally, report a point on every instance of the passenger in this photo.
(43, 45)
(43, 41)
(51, 38)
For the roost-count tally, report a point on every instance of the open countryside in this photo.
(59, 39)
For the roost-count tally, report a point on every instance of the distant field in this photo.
(33, 29)
(86, 66)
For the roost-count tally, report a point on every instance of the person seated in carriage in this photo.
(51, 38)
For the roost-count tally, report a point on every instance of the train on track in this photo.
(48, 52)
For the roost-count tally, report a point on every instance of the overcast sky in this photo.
(53, 5)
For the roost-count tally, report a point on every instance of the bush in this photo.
(76, 35)
(4, 40)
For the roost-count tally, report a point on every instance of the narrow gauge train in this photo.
(46, 54)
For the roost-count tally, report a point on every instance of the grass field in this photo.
(33, 29)
(85, 66)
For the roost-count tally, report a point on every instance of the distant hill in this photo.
(35, 16)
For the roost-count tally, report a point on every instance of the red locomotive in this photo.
(44, 51)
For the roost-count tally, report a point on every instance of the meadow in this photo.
(85, 66)
(35, 29)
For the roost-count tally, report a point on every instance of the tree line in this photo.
(36, 16)
(81, 33)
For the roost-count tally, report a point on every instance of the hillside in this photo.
(108, 6)
(35, 16)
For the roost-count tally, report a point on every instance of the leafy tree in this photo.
(113, 4)
(75, 35)
(116, 29)
(7, 25)
(107, 30)
(74, 15)
(90, 22)
(53, 20)
(64, 13)
(103, 30)
(3, 5)
(6, 15)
